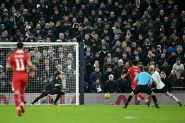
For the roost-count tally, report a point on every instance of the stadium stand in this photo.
(114, 32)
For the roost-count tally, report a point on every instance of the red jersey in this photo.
(133, 71)
(18, 61)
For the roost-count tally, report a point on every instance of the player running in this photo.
(19, 61)
(143, 86)
(160, 86)
(133, 71)
(54, 87)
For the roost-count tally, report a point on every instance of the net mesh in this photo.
(47, 58)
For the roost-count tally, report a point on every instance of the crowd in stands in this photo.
(115, 33)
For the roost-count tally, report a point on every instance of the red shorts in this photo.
(19, 82)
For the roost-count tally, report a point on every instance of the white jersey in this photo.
(157, 79)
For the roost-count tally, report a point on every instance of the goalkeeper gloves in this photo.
(57, 85)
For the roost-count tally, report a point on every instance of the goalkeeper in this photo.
(54, 87)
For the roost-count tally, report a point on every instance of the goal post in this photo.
(47, 57)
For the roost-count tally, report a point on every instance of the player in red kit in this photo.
(19, 61)
(133, 71)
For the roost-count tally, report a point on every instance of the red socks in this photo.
(16, 99)
(140, 96)
(22, 97)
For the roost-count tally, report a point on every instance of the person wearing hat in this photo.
(110, 85)
(118, 69)
(53, 87)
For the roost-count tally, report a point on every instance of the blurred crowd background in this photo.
(115, 33)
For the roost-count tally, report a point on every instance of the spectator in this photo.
(36, 54)
(108, 64)
(31, 38)
(178, 69)
(106, 74)
(179, 51)
(172, 58)
(110, 85)
(96, 75)
(61, 38)
(97, 87)
(96, 64)
(47, 71)
(173, 79)
(118, 69)
(182, 78)
(172, 48)
(166, 68)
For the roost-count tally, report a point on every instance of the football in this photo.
(107, 96)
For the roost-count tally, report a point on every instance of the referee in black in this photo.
(54, 87)
(144, 83)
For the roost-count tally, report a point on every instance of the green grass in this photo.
(94, 114)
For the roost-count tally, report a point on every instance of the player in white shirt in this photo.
(160, 86)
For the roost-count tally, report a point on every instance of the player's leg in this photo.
(149, 98)
(133, 86)
(140, 97)
(21, 104)
(129, 98)
(134, 92)
(59, 93)
(148, 90)
(22, 96)
(22, 100)
(57, 97)
(173, 97)
(17, 102)
(23, 88)
(43, 94)
(23, 84)
(154, 99)
(16, 97)
(16, 91)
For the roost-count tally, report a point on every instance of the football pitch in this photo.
(94, 114)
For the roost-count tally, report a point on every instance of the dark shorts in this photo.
(162, 90)
(142, 89)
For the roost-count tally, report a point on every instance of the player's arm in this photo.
(128, 73)
(29, 63)
(8, 63)
(31, 66)
(150, 81)
(8, 66)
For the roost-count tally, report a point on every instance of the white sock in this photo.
(174, 97)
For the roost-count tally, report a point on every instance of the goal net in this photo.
(47, 57)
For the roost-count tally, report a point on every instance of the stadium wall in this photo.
(90, 99)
